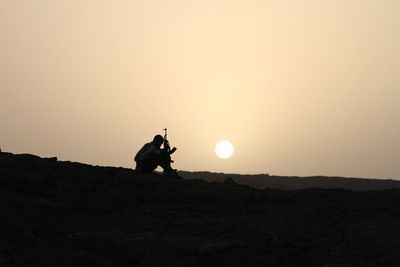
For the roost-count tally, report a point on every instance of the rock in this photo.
(23, 182)
(230, 181)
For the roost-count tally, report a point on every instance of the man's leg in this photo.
(149, 165)
(163, 160)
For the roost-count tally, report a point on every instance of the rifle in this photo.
(167, 147)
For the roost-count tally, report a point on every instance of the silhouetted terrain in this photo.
(263, 181)
(70, 214)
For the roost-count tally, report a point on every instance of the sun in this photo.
(224, 149)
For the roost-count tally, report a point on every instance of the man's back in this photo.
(145, 152)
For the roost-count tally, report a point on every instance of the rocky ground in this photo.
(70, 214)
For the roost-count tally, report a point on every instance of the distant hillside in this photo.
(263, 181)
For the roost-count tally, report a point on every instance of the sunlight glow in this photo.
(224, 149)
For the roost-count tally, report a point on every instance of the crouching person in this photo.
(151, 155)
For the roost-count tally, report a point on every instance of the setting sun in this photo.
(224, 149)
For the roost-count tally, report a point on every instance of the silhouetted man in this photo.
(151, 155)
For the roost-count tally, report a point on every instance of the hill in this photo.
(263, 181)
(56, 213)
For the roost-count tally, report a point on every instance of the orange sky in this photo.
(299, 87)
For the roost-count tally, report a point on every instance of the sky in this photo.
(308, 87)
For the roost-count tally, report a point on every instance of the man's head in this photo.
(158, 140)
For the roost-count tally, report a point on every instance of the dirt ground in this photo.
(70, 214)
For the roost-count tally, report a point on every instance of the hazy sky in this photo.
(300, 87)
